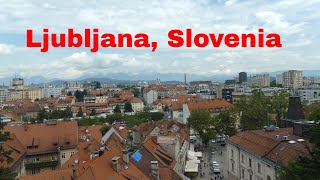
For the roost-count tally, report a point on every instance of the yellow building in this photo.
(34, 93)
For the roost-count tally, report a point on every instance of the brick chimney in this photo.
(125, 156)
(115, 163)
(155, 169)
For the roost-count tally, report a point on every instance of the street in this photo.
(205, 172)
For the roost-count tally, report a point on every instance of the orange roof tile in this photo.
(45, 137)
(65, 174)
(265, 144)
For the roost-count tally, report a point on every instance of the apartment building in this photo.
(48, 145)
(292, 79)
(260, 80)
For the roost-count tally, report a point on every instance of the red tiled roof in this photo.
(45, 137)
(65, 174)
(18, 151)
(265, 144)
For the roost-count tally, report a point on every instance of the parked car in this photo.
(216, 170)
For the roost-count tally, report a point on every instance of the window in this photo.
(250, 176)
(232, 166)
(63, 155)
(53, 168)
(268, 178)
(242, 159)
(259, 168)
(232, 153)
(242, 173)
(35, 159)
(250, 162)
(72, 153)
(53, 158)
(35, 171)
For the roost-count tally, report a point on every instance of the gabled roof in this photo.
(151, 151)
(45, 137)
(101, 167)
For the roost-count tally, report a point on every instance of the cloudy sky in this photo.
(297, 22)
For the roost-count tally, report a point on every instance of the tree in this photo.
(305, 167)
(156, 116)
(80, 95)
(225, 122)
(97, 84)
(136, 92)
(117, 109)
(314, 115)
(80, 113)
(254, 111)
(202, 122)
(166, 108)
(273, 83)
(279, 106)
(6, 173)
(128, 107)
(104, 130)
(93, 112)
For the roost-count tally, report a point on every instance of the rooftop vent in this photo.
(292, 142)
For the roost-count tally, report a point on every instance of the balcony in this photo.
(32, 165)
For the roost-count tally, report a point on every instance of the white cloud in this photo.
(295, 20)
(6, 48)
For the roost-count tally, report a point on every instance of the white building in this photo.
(48, 92)
(311, 81)
(150, 96)
(258, 155)
(292, 79)
(260, 80)
(137, 104)
(4, 94)
(309, 94)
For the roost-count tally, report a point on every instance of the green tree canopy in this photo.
(202, 122)
(80, 112)
(117, 109)
(128, 107)
(254, 111)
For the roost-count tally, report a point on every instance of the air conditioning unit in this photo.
(286, 138)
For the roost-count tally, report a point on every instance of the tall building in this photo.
(242, 77)
(292, 79)
(17, 82)
(260, 80)
(279, 79)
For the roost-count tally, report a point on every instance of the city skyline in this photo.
(294, 20)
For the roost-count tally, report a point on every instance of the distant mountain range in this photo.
(124, 78)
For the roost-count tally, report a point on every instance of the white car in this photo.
(215, 163)
(216, 170)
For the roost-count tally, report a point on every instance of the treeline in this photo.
(251, 112)
(130, 120)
